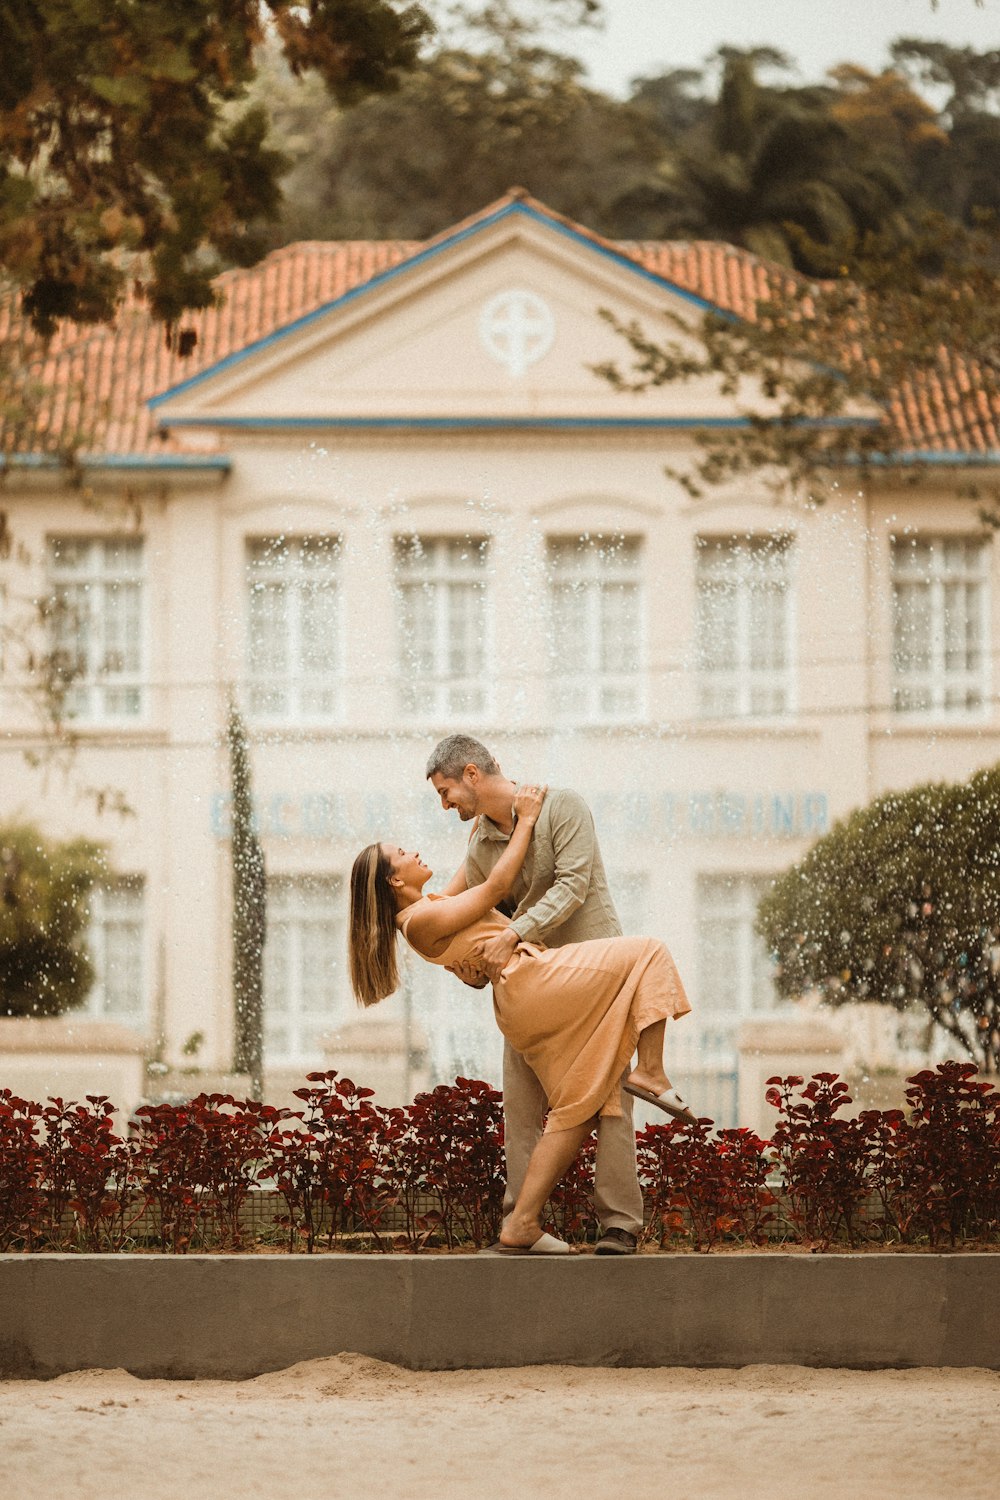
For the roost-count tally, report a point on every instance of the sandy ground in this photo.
(356, 1429)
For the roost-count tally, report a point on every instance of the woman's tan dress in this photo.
(574, 1013)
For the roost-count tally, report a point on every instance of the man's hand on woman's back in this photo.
(496, 953)
(468, 973)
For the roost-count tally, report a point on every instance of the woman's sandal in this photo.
(670, 1101)
(546, 1244)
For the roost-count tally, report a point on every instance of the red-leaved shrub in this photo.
(93, 1185)
(821, 1157)
(333, 1168)
(950, 1155)
(451, 1152)
(702, 1189)
(198, 1163)
(21, 1172)
(350, 1171)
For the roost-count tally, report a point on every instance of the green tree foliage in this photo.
(674, 100)
(142, 146)
(775, 169)
(773, 166)
(899, 904)
(249, 911)
(132, 159)
(898, 132)
(461, 130)
(965, 176)
(125, 154)
(44, 885)
(903, 282)
(776, 166)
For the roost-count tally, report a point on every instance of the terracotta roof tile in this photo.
(101, 378)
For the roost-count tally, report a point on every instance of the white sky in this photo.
(643, 37)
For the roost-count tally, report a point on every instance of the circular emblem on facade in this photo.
(516, 328)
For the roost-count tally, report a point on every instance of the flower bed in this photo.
(344, 1171)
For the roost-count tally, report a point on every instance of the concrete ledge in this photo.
(234, 1316)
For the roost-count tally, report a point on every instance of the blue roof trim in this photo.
(152, 462)
(175, 463)
(933, 457)
(625, 261)
(445, 424)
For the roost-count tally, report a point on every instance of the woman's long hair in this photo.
(371, 941)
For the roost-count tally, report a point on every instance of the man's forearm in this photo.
(555, 907)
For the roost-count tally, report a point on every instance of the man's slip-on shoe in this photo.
(616, 1242)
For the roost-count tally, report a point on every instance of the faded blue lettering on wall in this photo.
(662, 817)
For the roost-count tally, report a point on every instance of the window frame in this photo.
(440, 688)
(589, 573)
(91, 686)
(95, 1007)
(293, 680)
(631, 890)
(743, 677)
(748, 886)
(295, 1019)
(937, 680)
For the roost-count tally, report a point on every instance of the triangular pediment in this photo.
(500, 321)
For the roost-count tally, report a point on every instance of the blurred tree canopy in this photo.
(965, 176)
(893, 274)
(490, 108)
(899, 904)
(123, 132)
(134, 161)
(44, 885)
(779, 167)
(144, 147)
(879, 202)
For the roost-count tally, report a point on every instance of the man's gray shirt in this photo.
(561, 892)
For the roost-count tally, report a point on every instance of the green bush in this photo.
(899, 904)
(44, 886)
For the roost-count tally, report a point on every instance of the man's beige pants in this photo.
(617, 1195)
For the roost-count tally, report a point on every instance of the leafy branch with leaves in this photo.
(844, 369)
(126, 160)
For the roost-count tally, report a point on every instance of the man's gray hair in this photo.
(456, 751)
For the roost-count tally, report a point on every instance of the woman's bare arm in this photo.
(441, 919)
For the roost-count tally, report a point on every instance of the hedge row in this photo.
(348, 1171)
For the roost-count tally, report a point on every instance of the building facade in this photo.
(388, 497)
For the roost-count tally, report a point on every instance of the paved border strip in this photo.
(234, 1316)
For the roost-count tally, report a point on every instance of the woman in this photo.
(576, 1013)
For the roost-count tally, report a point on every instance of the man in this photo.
(561, 896)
